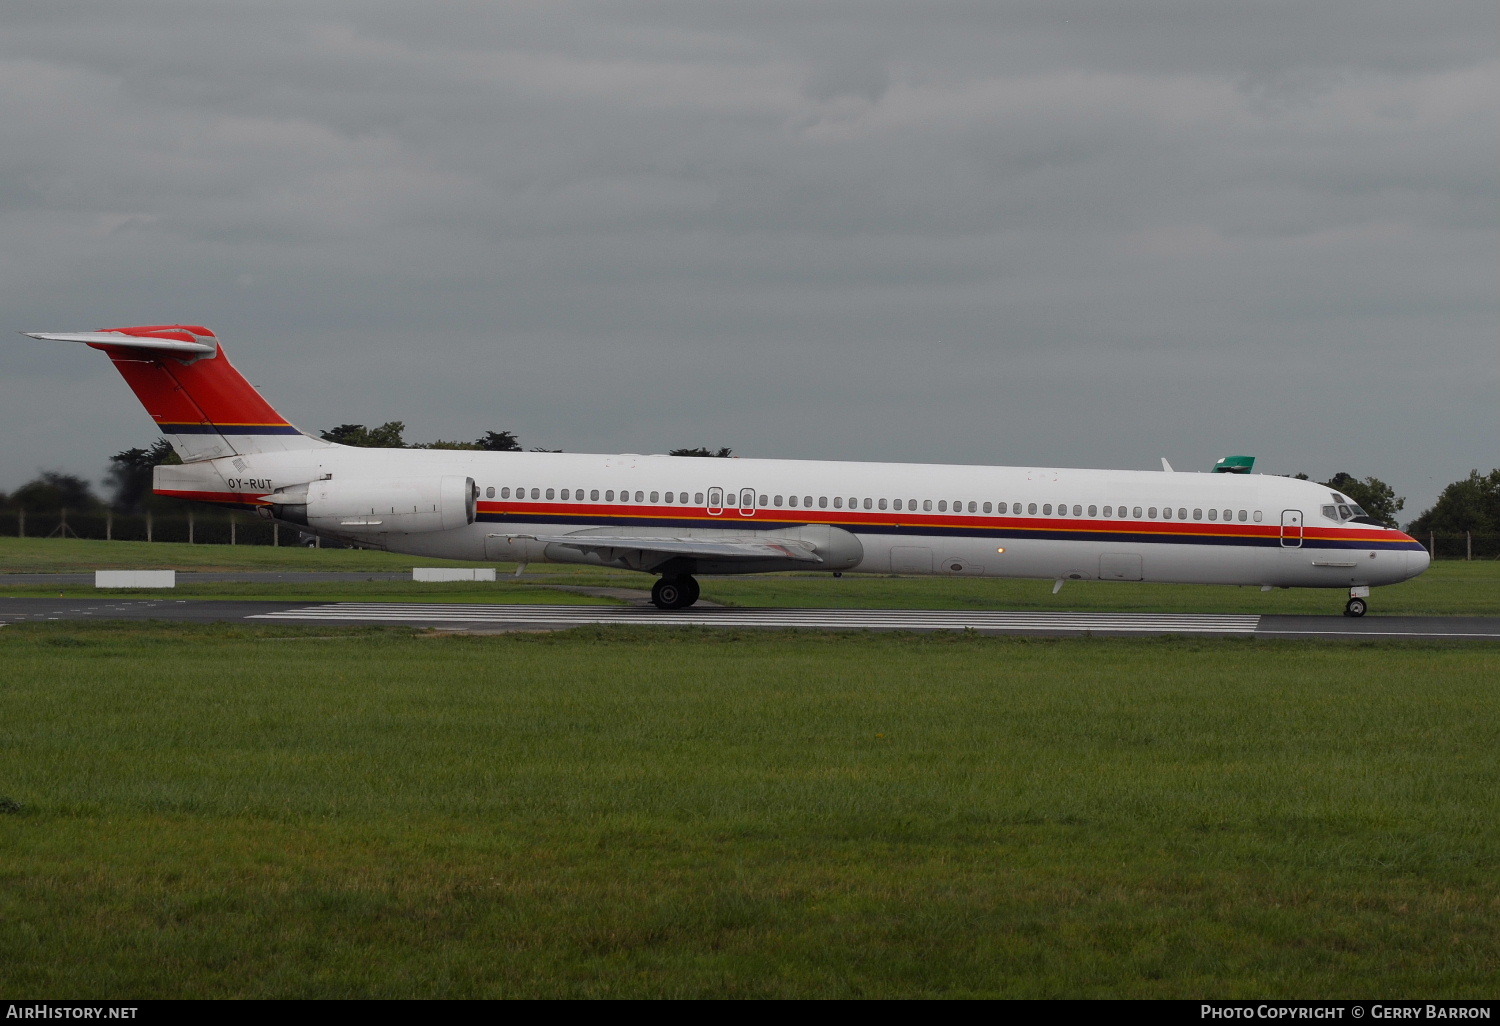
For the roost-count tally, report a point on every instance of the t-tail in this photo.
(200, 403)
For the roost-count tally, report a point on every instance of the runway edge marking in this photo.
(847, 618)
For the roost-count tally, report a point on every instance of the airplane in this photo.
(678, 518)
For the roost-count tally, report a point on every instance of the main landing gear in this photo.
(677, 592)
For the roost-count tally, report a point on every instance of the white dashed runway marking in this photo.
(852, 619)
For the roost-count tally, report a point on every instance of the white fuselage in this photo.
(907, 518)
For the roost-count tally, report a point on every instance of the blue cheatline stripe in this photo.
(227, 429)
(918, 530)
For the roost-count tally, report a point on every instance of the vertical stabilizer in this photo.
(200, 403)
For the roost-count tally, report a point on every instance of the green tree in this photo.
(443, 444)
(53, 490)
(129, 474)
(1472, 504)
(719, 453)
(1375, 496)
(498, 441)
(386, 436)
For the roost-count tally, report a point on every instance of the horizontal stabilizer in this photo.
(181, 343)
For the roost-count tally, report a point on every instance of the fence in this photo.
(200, 527)
(1468, 545)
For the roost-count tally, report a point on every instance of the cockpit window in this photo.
(1344, 511)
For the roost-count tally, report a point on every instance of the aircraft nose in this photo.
(1417, 560)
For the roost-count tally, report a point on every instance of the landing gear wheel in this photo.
(674, 592)
(1356, 607)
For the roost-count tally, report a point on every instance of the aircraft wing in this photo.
(748, 549)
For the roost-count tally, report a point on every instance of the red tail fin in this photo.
(199, 401)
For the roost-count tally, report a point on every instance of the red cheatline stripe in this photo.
(235, 497)
(857, 518)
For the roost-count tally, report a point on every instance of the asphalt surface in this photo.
(482, 617)
(217, 577)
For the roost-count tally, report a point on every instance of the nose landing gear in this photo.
(1358, 603)
(677, 592)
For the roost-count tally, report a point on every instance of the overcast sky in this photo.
(1061, 233)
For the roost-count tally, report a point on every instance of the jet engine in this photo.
(371, 506)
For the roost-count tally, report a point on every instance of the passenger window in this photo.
(763, 501)
(927, 505)
(1000, 507)
(1197, 514)
(1213, 514)
(697, 498)
(550, 494)
(1047, 509)
(1229, 514)
(986, 507)
(1093, 511)
(1108, 510)
(1136, 512)
(791, 500)
(882, 504)
(807, 501)
(1078, 511)
(822, 502)
(838, 502)
(505, 492)
(640, 497)
(594, 495)
(897, 504)
(536, 493)
(1242, 517)
(489, 493)
(853, 502)
(777, 500)
(1031, 508)
(609, 496)
(869, 504)
(1166, 512)
(942, 505)
(1151, 513)
(1182, 513)
(1257, 516)
(667, 496)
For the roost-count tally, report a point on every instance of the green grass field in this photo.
(308, 812)
(1448, 588)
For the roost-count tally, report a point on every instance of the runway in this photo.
(484, 617)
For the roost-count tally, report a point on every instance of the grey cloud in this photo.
(1063, 232)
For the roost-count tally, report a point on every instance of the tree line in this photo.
(128, 478)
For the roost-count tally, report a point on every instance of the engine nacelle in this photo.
(371, 506)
